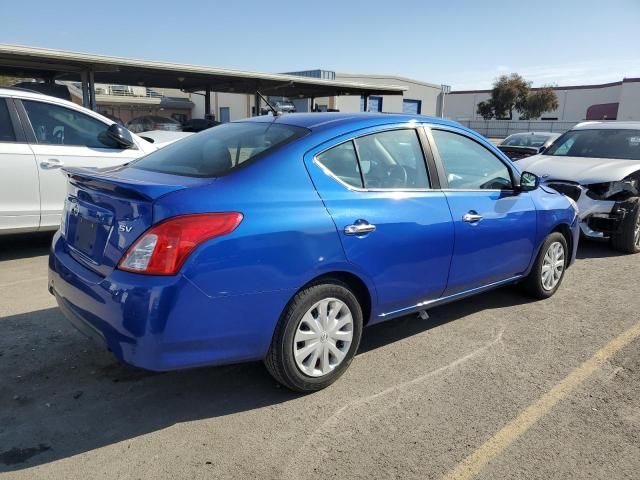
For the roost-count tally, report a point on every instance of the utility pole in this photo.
(445, 90)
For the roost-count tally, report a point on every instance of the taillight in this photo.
(163, 248)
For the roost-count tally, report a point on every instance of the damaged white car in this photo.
(597, 164)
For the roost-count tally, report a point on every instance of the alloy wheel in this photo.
(323, 337)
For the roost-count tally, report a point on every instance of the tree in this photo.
(542, 100)
(513, 92)
(485, 110)
(7, 81)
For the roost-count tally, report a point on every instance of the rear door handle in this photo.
(471, 217)
(359, 227)
(51, 163)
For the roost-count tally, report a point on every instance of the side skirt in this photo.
(444, 300)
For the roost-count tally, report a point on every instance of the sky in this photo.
(463, 43)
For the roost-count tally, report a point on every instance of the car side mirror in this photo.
(528, 182)
(120, 135)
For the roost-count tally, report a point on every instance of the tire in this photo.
(535, 284)
(627, 240)
(301, 327)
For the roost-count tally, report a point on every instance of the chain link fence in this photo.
(504, 128)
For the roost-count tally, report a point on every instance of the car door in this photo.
(394, 226)
(495, 224)
(19, 187)
(66, 137)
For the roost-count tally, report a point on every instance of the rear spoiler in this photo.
(112, 180)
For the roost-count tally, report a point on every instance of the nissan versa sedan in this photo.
(280, 238)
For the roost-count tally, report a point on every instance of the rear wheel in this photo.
(628, 238)
(548, 270)
(316, 338)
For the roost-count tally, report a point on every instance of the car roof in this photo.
(320, 120)
(607, 124)
(535, 133)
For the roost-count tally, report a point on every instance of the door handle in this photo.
(359, 227)
(51, 163)
(471, 217)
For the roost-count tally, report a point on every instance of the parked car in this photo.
(162, 138)
(198, 124)
(40, 134)
(279, 238)
(597, 164)
(146, 123)
(521, 145)
(281, 105)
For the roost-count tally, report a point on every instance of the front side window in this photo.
(56, 125)
(468, 165)
(219, 150)
(392, 159)
(6, 127)
(598, 143)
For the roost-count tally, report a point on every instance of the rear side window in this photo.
(392, 159)
(6, 127)
(385, 160)
(342, 162)
(220, 149)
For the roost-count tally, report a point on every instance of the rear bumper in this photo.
(162, 323)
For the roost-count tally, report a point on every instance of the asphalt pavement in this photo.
(495, 386)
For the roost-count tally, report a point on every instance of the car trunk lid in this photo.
(107, 210)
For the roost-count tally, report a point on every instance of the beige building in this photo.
(610, 101)
(418, 98)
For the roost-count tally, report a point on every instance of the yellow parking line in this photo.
(493, 447)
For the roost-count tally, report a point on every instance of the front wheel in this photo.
(549, 268)
(627, 240)
(317, 337)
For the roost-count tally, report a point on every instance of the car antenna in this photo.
(271, 107)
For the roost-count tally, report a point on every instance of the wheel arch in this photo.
(355, 283)
(565, 230)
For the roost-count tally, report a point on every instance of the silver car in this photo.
(597, 164)
(525, 144)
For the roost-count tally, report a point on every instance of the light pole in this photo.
(445, 89)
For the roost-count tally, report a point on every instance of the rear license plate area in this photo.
(85, 235)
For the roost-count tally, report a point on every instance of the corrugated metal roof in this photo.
(65, 65)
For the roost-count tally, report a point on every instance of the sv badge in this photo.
(124, 228)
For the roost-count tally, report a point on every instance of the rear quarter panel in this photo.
(286, 238)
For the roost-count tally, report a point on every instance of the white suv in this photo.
(597, 164)
(39, 135)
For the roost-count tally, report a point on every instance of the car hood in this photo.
(582, 170)
(162, 138)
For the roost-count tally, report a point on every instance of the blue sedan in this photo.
(280, 238)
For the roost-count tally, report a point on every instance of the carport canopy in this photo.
(50, 65)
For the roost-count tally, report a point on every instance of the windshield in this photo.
(217, 151)
(526, 140)
(603, 143)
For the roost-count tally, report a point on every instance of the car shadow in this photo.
(596, 249)
(24, 245)
(62, 395)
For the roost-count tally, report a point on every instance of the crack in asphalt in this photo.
(291, 470)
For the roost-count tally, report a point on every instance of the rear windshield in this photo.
(526, 140)
(218, 150)
(604, 143)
